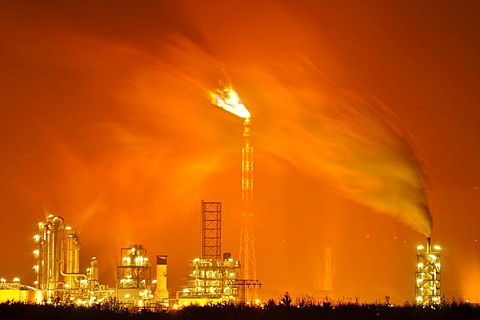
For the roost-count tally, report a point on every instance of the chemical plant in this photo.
(58, 276)
(213, 278)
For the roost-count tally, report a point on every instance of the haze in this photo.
(106, 121)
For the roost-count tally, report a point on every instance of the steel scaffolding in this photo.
(134, 278)
(211, 230)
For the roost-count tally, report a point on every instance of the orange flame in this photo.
(228, 100)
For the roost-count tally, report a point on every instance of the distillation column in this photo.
(49, 255)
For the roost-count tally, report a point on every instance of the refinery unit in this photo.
(57, 266)
(213, 278)
(210, 279)
(427, 276)
(58, 278)
(135, 287)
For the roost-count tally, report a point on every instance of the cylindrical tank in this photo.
(55, 250)
(92, 275)
(72, 258)
(161, 290)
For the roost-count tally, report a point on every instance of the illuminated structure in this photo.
(229, 100)
(57, 266)
(134, 278)
(57, 259)
(16, 292)
(58, 280)
(427, 282)
(211, 279)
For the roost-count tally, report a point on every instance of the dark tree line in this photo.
(280, 311)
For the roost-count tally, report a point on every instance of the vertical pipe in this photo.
(428, 245)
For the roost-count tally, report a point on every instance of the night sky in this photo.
(365, 126)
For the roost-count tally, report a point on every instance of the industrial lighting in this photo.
(428, 276)
(438, 248)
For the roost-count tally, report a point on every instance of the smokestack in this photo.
(427, 250)
(162, 290)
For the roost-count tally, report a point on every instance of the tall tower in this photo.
(427, 284)
(228, 100)
(248, 271)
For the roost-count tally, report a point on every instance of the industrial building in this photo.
(58, 278)
(427, 283)
(210, 282)
(16, 292)
(57, 267)
(211, 279)
(135, 286)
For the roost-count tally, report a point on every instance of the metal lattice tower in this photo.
(211, 230)
(248, 266)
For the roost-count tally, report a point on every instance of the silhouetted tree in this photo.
(286, 299)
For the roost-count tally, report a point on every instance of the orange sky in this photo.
(106, 121)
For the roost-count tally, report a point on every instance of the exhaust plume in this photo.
(354, 142)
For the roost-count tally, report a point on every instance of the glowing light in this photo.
(438, 248)
(228, 100)
(420, 247)
(16, 280)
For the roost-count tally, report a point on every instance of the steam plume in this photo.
(355, 142)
